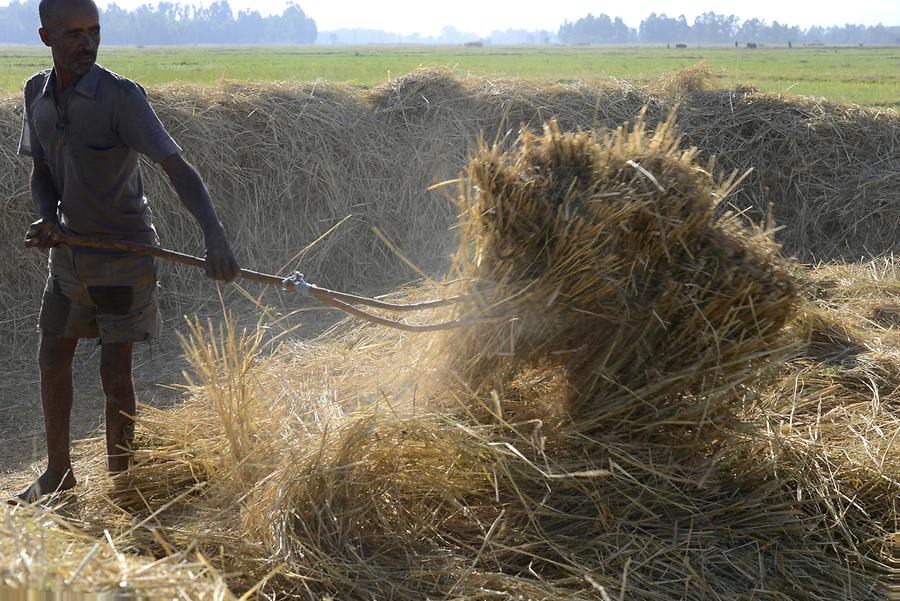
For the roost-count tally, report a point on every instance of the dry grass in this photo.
(662, 414)
(45, 555)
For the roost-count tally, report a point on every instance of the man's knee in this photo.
(56, 354)
(117, 387)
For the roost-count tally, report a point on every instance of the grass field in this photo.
(866, 76)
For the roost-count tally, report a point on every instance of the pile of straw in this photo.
(607, 251)
(626, 427)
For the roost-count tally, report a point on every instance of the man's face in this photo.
(73, 35)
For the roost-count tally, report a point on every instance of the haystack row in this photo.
(286, 163)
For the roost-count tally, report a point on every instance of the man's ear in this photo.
(45, 36)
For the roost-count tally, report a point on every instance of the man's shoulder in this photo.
(40, 76)
(36, 82)
(118, 82)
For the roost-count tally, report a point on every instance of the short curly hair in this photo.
(47, 7)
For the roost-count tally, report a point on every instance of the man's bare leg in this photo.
(55, 361)
(115, 374)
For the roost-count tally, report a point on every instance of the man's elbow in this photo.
(181, 173)
(175, 166)
(41, 177)
(39, 169)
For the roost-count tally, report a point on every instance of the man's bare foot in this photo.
(48, 483)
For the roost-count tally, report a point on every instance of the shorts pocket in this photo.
(112, 300)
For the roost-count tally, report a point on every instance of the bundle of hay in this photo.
(605, 255)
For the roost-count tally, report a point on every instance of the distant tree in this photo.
(250, 27)
(622, 33)
(596, 30)
(117, 22)
(814, 35)
(710, 28)
(20, 22)
(660, 29)
(754, 30)
(299, 28)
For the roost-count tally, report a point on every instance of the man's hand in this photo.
(43, 233)
(220, 261)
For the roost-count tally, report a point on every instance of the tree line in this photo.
(712, 28)
(173, 23)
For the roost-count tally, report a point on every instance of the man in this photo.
(83, 128)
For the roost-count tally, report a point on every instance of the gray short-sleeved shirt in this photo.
(91, 144)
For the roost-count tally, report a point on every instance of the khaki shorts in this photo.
(111, 297)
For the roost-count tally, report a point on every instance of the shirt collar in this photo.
(49, 83)
(86, 85)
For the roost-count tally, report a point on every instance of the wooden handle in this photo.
(162, 253)
(272, 280)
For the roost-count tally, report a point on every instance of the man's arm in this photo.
(44, 232)
(220, 262)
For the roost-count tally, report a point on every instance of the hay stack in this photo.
(605, 255)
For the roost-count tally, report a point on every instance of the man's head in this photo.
(71, 28)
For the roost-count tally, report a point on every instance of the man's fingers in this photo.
(229, 269)
(214, 267)
(42, 234)
(218, 272)
(33, 235)
(221, 266)
(41, 240)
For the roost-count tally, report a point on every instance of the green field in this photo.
(867, 76)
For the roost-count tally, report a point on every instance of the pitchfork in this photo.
(339, 300)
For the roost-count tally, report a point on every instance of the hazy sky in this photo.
(481, 16)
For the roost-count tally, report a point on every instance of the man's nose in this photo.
(87, 42)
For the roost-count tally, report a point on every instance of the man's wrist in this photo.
(214, 231)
